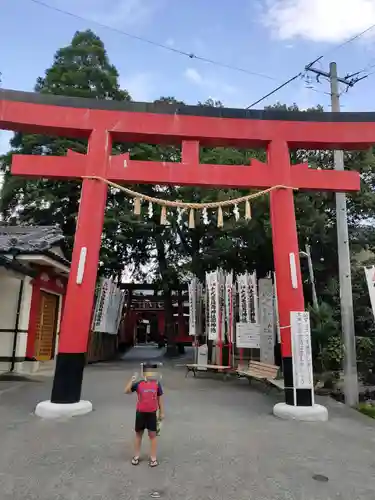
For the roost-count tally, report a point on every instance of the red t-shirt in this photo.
(148, 392)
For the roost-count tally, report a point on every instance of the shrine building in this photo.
(33, 280)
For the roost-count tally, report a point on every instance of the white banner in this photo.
(108, 308)
(266, 308)
(301, 350)
(229, 306)
(213, 291)
(370, 278)
(193, 307)
(244, 297)
(248, 335)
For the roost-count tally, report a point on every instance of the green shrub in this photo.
(365, 357)
(367, 409)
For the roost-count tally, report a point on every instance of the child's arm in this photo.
(161, 407)
(161, 402)
(129, 387)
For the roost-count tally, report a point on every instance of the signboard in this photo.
(266, 312)
(370, 278)
(248, 335)
(301, 350)
(147, 304)
(202, 357)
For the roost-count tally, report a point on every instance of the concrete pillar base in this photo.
(46, 409)
(315, 413)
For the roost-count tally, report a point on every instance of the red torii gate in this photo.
(103, 122)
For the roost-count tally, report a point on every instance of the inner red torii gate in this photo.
(103, 122)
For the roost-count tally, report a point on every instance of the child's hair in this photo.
(150, 370)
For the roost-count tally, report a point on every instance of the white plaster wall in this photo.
(9, 290)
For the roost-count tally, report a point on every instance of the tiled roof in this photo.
(29, 239)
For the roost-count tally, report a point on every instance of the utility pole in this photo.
(346, 296)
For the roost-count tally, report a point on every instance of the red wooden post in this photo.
(77, 316)
(286, 260)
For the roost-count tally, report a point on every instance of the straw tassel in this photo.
(137, 206)
(220, 221)
(163, 216)
(247, 210)
(191, 219)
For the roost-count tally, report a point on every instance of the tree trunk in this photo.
(169, 332)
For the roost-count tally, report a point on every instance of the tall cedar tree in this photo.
(81, 69)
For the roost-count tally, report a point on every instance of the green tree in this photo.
(82, 69)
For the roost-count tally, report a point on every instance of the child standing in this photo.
(149, 401)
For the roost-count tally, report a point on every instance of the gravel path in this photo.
(219, 441)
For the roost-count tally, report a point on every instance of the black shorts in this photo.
(145, 421)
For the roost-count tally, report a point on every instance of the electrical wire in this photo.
(346, 42)
(190, 55)
(275, 90)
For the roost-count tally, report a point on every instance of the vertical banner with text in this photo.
(266, 308)
(370, 279)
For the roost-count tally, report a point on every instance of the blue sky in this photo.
(274, 37)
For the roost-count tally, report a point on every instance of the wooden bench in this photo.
(262, 372)
(195, 368)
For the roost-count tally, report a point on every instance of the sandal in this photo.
(135, 460)
(153, 463)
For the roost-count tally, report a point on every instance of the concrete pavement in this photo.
(219, 441)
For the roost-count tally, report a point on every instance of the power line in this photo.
(275, 90)
(308, 66)
(190, 55)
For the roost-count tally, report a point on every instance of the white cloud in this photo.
(170, 42)
(210, 83)
(140, 86)
(330, 21)
(193, 75)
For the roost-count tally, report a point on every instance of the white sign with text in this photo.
(248, 335)
(301, 350)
